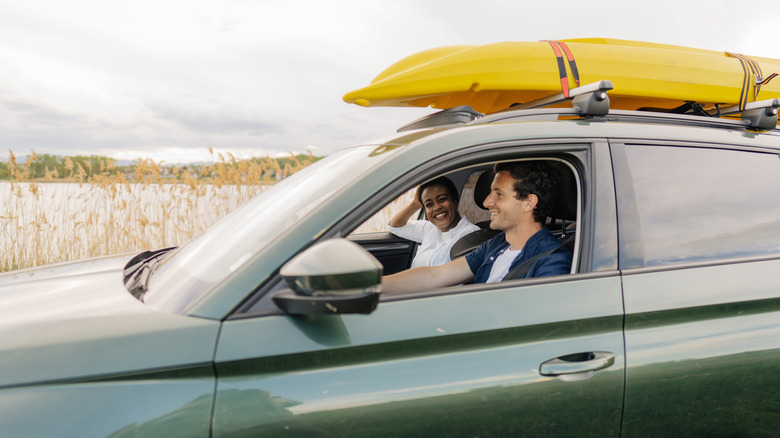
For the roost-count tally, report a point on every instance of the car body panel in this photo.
(90, 325)
(172, 404)
(23, 279)
(703, 348)
(413, 363)
(77, 350)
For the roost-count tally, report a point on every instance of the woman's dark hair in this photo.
(534, 177)
(440, 181)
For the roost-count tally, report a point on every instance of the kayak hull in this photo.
(492, 77)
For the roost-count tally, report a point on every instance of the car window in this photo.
(378, 222)
(562, 221)
(698, 204)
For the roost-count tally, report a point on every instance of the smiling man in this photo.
(521, 197)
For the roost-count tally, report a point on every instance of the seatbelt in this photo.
(520, 270)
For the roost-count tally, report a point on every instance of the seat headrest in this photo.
(482, 188)
(566, 205)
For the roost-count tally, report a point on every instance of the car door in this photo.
(700, 255)
(395, 253)
(538, 357)
(461, 364)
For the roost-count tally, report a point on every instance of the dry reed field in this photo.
(93, 212)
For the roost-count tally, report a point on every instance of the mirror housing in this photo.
(332, 277)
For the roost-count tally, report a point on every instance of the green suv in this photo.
(272, 322)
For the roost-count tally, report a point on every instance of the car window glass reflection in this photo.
(704, 204)
(226, 246)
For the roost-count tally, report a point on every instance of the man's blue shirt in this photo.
(481, 259)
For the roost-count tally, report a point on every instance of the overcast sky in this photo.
(167, 79)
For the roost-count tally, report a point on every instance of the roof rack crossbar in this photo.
(590, 99)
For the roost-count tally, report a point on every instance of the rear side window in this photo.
(698, 204)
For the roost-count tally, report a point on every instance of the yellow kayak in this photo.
(492, 77)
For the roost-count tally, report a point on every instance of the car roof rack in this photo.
(592, 100)
(587, 100)
(761, 115)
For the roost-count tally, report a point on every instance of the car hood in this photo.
(76, 320)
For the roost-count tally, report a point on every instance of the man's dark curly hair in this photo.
(534, 177)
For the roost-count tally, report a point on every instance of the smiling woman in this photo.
(443, 225)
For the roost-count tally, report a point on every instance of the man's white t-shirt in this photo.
(502, 264)
(435, 245)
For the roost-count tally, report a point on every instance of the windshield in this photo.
(194, 269)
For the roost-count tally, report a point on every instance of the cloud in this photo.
(217, 118)
(31, 115)
(268, 76)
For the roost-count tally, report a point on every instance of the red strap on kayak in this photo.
(560, 49)
(572, 63)
(561, 68)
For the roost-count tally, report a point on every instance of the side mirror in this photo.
(332, 277)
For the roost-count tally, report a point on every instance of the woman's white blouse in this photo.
(434, 245)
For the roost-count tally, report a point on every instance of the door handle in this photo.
(577, 363)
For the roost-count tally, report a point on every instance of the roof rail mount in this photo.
(450, 116)
(590, 100)
(762, 115)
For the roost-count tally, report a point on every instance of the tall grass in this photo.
(93, 212)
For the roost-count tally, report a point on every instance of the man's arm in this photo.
(428, 277)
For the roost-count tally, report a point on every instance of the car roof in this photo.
(568, 124)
